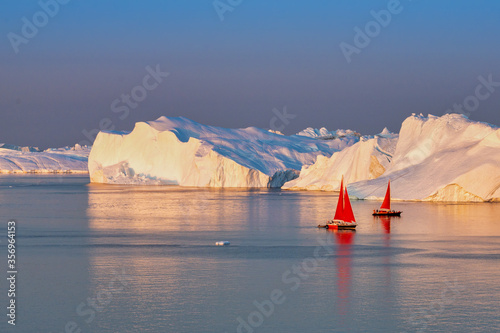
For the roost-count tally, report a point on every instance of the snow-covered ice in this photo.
(448, 158)
(176, 150)
(15, 159)
(325, 134)
(367, 159)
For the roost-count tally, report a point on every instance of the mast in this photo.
(386, 205)
(339, 212)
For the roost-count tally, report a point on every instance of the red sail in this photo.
(348, 213)
(339, 212)
(386, 205)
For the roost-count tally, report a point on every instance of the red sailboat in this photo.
(344, 216)
(385, 209)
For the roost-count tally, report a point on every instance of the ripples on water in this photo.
(433, 269)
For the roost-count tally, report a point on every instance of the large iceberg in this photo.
(16, 159)
(176, 150)
(448, 158)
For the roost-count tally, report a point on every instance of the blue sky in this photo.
(233, 73)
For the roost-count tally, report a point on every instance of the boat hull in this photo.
(338, 225)
(390, 213)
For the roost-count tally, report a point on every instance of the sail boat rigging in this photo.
(385, 208)
(344, 216)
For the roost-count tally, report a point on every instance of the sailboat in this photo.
(385, 209)
(344, 216)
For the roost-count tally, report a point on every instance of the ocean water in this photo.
(109, 258)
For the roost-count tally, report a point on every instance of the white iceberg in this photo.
(15, 159)
(367, 159)
(325, 134)
(448, 158)
(176, 150)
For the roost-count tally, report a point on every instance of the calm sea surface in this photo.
(107, 258)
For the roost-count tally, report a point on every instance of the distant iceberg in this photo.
(16, 159)
(176, 150)
(325, 134)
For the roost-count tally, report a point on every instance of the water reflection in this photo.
(385, 221)
(74, 237)
(344, 239)
(165, 209)
(164, 236)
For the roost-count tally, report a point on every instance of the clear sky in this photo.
(60, 82)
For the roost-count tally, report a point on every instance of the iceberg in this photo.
(176, 150)
(16, 159)
(367, 159)
(324, 134)
(447, 158)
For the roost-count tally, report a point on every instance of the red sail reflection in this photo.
(386, 223)
(344, 240)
